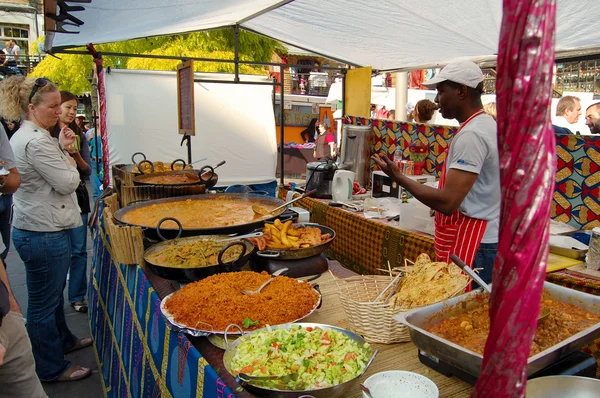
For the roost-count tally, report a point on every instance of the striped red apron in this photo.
(457, 234)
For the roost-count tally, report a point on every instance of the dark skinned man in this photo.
(467, 200)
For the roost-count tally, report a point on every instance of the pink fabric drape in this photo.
(527, 167)
(98, 63)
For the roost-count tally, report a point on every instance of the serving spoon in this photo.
(544, 312)
(261, 287)
(366, 390)
(261, 211)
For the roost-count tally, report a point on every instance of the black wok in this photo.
(296, 254)
(261, 200)
(196, 273)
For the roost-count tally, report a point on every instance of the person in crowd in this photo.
(391, 114)
(10, 126)
(17, 366)
(381, 112)
(467, 201)
(8, 185)
(12, 53)
(81, 154)
(45, 210)
(424, 110)
(490, 109)
(592, 118)
(95, 144)
(79, 121)
(410, 112)
(568, 112)
(324, 144)
(310, 133)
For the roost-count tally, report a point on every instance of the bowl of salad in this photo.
(297, 359)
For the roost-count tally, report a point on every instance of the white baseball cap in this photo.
(462, 72)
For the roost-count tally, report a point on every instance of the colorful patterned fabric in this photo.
(575, 282)
(577, 192)
(138, 356)
(388, 134)
(379, 243)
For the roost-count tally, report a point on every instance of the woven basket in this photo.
(371, 320)
(374, 321)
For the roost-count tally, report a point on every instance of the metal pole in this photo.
(344, 93)
(189, 149)
(281, 124)
(236, 48)
(401, 96)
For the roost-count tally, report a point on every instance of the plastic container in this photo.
(593, 256)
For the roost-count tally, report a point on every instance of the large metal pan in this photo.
(329, 392)
(296, 254)
(419, 319)
(191, 274)
(204, 329)
(150, 232)
(562, 386)
(210, 180)
(131, 168)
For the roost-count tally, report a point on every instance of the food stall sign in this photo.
(185, 98)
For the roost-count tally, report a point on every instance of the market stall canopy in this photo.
(388, 35)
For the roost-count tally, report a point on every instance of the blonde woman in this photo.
(45, 211)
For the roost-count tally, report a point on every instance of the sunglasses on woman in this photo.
(39, 83)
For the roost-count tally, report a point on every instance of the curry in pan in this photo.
(201, 253)
(196, 214)
(470, 329)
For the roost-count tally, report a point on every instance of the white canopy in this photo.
(388, 35)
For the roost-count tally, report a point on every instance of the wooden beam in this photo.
(49, 8)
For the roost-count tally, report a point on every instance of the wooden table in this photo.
(400, 356)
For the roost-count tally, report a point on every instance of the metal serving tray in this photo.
(578, 254)
(435, 347)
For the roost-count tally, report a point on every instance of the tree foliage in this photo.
(70, 72)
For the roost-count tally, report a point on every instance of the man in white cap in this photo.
(467, 200)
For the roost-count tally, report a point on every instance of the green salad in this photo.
(316, 358)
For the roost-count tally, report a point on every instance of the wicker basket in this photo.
(374, 321)
(371, 320)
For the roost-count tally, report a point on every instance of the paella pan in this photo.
(208, 306)
(212, 214)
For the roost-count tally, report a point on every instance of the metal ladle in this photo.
(261, 211)
(273, 275)
(544, 312)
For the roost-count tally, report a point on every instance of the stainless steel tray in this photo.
(436, 347)
(577, 254)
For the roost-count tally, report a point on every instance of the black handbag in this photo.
(83, 198)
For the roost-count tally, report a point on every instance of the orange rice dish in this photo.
(218, 301)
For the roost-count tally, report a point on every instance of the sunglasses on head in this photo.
(39, 82)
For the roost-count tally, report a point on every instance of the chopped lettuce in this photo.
(319, 358)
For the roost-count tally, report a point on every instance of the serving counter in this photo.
(139, 356)
(382, 241)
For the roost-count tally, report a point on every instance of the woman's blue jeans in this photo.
(47, 257)
(78, 270)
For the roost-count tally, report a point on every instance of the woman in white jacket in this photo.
(45, 211)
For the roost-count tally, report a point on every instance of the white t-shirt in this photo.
(475, 149)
